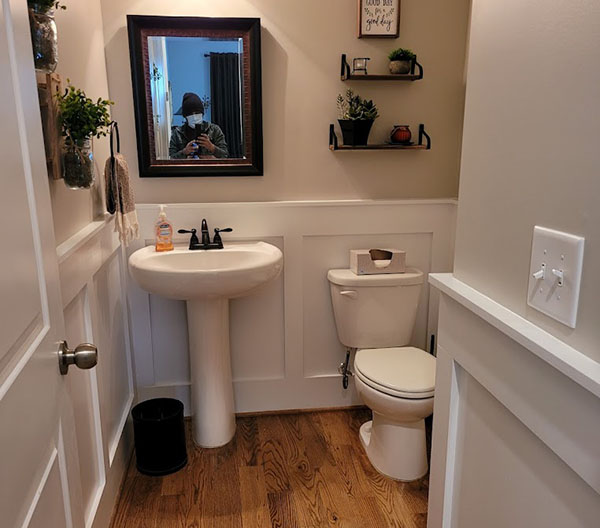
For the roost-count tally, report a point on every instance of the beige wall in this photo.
(301, 46)
(530, 150)
(81, 59)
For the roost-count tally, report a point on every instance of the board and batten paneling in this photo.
(516, 433)
(83, 388)
(285, 352)
(92, 275)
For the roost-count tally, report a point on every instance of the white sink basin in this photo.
(234, 271)
(207, 280)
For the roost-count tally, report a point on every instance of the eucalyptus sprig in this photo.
(80, 117)
(45, 5)
(354, 107)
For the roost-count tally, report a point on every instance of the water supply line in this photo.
(344, 368)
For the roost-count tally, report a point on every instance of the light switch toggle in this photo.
(560, 274)
(556, 293)
(540, 275)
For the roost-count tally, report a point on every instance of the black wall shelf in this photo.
(335, 146)
(412, 76)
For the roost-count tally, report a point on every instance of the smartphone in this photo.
(201, 129)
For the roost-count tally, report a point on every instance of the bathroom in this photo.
(506, 93)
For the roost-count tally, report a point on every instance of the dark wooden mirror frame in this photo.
(141, 27)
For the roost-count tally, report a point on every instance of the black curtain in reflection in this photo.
(225, 99)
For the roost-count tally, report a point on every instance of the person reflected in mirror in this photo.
(196, 138)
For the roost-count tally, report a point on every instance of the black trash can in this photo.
(159, 435)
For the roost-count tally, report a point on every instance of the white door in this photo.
(35, 412)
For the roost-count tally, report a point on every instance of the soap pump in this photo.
(164, 232)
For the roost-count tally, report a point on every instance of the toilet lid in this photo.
(401, 371)
(346, 277)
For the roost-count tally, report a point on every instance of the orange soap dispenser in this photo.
(164, 232)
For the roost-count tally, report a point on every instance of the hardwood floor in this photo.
(280, 471)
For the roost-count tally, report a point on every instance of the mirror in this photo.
(197, 95)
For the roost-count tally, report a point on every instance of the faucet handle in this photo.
(193, 239)
(217, 238)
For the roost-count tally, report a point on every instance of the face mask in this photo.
(194, 119)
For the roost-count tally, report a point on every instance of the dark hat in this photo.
(191, 104)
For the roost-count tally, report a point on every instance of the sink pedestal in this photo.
(213, 411)
(207, 280)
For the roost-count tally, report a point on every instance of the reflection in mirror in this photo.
(197, 97)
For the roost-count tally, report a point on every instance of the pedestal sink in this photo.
(207, 280)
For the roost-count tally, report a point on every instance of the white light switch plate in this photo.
(554, 251)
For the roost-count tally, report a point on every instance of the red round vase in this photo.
(400, 134)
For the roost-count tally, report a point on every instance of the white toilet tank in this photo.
(375, 311)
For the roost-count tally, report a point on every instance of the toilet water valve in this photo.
(344, 370)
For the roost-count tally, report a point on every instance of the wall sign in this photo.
(378, 18)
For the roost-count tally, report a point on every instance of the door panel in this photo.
(44, 512)
(29, 431)
(22, 323)
(34, 487)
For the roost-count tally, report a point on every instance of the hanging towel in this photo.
(119, 194)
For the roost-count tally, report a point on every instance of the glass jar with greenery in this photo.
(44, 38)
(81, 119)
(356, 117)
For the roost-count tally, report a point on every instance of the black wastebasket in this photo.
(159, 435)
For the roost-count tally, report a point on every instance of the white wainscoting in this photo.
(92, 275)
(285, 351)
(516, 433)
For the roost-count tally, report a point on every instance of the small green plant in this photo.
(80, 117)
(401, 54)
(355, 108)
(45, 5)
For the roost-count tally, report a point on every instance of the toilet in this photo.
(375, 315)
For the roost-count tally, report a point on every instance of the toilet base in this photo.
(398, 451)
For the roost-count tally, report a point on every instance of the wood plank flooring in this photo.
(281, 471)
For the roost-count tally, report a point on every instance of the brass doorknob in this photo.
(85, 356)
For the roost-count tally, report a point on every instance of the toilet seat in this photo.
(403, 372)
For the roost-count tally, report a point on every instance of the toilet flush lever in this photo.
(349, 293)
(539, 275)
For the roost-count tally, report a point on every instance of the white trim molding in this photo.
(572, 363)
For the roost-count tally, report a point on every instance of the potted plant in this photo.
(356, 116)
(44, 38)
(401, 60)
(81, 119)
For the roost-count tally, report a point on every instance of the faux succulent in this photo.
(80, 117)
(401, 54)
(352, 106)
